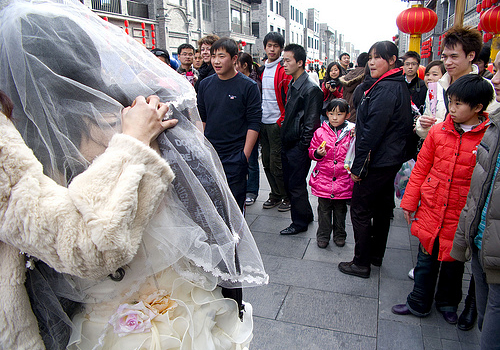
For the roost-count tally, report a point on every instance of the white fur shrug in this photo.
(89, 229)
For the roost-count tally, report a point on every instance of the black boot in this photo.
(468, 317)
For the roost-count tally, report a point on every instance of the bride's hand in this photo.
(144, 119)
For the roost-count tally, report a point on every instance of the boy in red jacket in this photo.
(440, 182)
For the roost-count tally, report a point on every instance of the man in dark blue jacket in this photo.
(302, 111)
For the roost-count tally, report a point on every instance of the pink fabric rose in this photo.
(132, 318)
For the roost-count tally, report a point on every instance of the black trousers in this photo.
(236, 170)
(331, 217)
(371, 208)
(296, 164)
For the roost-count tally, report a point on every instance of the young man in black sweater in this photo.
(230, 108)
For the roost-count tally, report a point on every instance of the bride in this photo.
(69, 74)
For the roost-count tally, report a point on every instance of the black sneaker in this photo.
(284, 206)
(271, 203)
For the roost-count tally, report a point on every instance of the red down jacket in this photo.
(329, 179)
(440, 181)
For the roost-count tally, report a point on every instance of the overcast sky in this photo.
(363, 22)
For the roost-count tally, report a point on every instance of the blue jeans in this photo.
(253, 171)
(449, 286)
(488, 305)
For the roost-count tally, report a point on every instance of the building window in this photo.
(276, 7)
(235, 16)
(255, 29)
(292, 13)
(271, 27)
(194, 8)
(271, 5)
(301, 18)
(206, 9)
(245, 19)
(283, 33)
(280, 12)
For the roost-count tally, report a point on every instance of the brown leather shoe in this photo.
(322, 244)
(350, 268)
(339, 242)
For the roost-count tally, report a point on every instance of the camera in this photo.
(334, 83)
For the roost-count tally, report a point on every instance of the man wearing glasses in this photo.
(186, 56)
(418, 90)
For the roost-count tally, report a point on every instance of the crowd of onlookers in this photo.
(360, 125)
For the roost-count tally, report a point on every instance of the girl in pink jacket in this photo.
(330, 181)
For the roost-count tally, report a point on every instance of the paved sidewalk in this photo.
(309, 304)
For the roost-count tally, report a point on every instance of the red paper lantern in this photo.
(153, 47)
(126, 23)
(153, 34)
(483, 4)
(490, 20)
(416, 20)
(105, 18)
(152, 27)
(143, 25)
(143, 32)
(126, 31)
(153, 41)
(144, 40)
(243, 43)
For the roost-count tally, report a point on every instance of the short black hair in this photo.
(362, 59)
(339, 103)
(185, 46)
(299, 53)
(411, 54)
(472, 89)
(435, 63)
(227, 44)
(484, 55)
(274, 37)
(162, 53)
(344, 54)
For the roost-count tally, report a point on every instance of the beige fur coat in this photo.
(89, 229)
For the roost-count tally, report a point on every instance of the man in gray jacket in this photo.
(478, 233)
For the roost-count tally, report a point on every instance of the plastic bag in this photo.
(402, 178)
(349, 157)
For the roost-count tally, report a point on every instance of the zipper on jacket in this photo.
(365, 164)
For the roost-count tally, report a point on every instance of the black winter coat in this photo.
(302, 111)
(384, 126)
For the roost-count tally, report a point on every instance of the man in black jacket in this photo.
(302, 110)
(418, 90)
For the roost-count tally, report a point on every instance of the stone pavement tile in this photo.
(448, 331)
(433, 343)
(335, 311)
(331, 254)
(392, 292)
(397, 263)
(269, 224)
(266, 300)
(467, 346)
(398, 238)
(430, 331)
(399, 219)
(435, 319)
(276, 335)
(277, 245)
(471, 337)
(250, 218)
(401, 336)
(318, 275)
(450, 344)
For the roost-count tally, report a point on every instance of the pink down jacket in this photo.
(329, 178)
